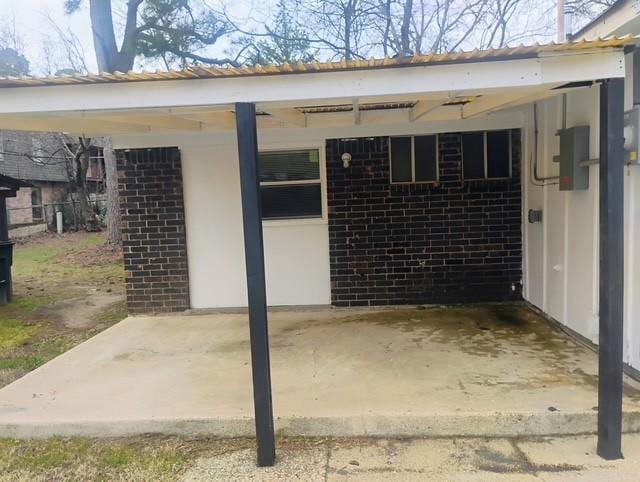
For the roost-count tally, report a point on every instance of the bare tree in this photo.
(353, 29)
(62, 50)
(342, 28)
(78, 159)
(418, 26)
(333, 29)
(175, 31)
(114, 230)
(586, 10)
(65, 54)
(12, 59)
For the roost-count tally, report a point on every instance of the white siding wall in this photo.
(561, 253)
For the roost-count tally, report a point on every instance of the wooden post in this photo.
(256, 288)
(611, 269)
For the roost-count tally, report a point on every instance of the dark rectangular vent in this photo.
(575, 85)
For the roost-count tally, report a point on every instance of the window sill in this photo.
(483, 179)
(277, 223)
(415, 183)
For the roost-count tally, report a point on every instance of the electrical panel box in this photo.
(574, 150)
(632, 136)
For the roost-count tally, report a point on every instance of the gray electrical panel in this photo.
(631, 135)
(574, 149)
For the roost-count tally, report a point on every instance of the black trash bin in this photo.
(6, 260)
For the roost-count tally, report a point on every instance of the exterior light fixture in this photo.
(346, 159)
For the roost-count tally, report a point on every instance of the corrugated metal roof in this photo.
(208, 72)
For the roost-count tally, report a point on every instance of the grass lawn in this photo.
(151, 458)
(66, 289)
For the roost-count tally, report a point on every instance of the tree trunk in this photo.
(109, 57)
(84, 209)
(348, 18)
(114, 233)
(405, 28)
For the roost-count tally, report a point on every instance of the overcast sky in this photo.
(33, 27)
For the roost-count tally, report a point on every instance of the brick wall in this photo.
(410, 244)
(19, 207)
(153, 231)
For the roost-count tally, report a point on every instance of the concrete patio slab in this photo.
(487, 370)
(439, 459)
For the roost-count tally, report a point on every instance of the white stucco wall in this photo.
(296, 251)
(561, 252)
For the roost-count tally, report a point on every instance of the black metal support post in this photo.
(4, 220)
(611, 269)
(254, 256)
(636, 76)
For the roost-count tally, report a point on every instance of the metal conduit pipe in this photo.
(536, 177)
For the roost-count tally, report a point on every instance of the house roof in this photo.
(18, 156)
(9, 186)
(208, 72)
(620, 18)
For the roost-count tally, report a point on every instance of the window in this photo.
(36, 204)
(290, 185)
(486, 155)
(95, 172)
(414, 159)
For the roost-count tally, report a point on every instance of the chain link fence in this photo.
(46, 213)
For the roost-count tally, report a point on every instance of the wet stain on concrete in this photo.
(480, 330)
(487, 330)
(493, 330)
(490, 460)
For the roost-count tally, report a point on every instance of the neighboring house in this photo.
(49, 180)
(24, 155)
(621, 18)
(428, 179)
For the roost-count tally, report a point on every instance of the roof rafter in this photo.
(423, 107)
(291, 116)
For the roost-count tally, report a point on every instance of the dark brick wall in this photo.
(419, 243)
(153, 230)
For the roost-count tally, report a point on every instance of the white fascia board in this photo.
(593, 66)
(309, 88)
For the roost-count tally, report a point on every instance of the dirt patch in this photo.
(81, 312)
(66, 288)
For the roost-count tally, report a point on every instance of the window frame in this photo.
(322, 181)
(486, 160)
(37, 208)
(413, 159)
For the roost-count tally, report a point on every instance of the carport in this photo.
(474, 88)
